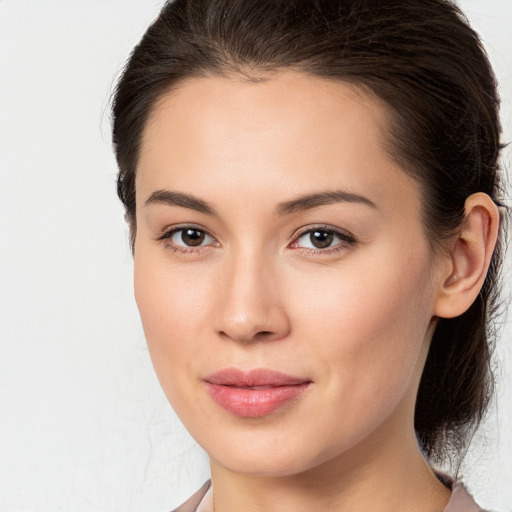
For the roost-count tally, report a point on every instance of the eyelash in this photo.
(347, 240)
(169, 233)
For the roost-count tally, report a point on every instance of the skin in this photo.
(355, 318)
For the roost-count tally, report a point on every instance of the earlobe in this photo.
(470, 256)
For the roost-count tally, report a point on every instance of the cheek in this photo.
(367, 324)
(172, 302)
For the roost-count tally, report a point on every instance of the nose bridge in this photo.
(250, 302)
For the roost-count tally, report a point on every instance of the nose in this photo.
(250, 301)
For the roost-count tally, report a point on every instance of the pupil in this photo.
(192, 237)
(321, 239)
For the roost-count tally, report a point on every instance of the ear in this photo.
(469, 257)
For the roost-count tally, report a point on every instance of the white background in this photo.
(84, 425)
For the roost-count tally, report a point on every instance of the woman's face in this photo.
(275, 232)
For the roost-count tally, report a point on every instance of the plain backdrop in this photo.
(84, 425)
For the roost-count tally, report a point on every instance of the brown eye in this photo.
(324, 240)
(192, 237)
(189, 237)
(321, 239)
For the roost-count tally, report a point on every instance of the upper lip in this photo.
(255, 377)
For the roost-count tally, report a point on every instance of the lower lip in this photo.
(254, 403)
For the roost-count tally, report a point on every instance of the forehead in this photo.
(284, 134)
(282, 105)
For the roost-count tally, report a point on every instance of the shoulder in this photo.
(461, 500)
(191, 504)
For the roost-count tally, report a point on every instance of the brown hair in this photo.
(428, 66)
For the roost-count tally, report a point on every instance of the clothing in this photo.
(202, 500)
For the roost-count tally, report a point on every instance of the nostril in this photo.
(263, 334)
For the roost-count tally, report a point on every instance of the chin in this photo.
(266, 457)
(266, 466)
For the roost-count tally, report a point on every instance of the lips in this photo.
(254, 393)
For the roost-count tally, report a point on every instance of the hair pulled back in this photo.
(429, 68)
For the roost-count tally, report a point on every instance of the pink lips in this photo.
(254, 393)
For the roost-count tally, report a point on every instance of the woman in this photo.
(312, 193)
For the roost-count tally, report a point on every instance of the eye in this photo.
(190, 237)
(321, 239)
(186, 238)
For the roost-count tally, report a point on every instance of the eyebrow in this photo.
(179, 199)
(302, 203)
(310, 201)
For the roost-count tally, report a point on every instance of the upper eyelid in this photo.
(168, 231)
(321, 227)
